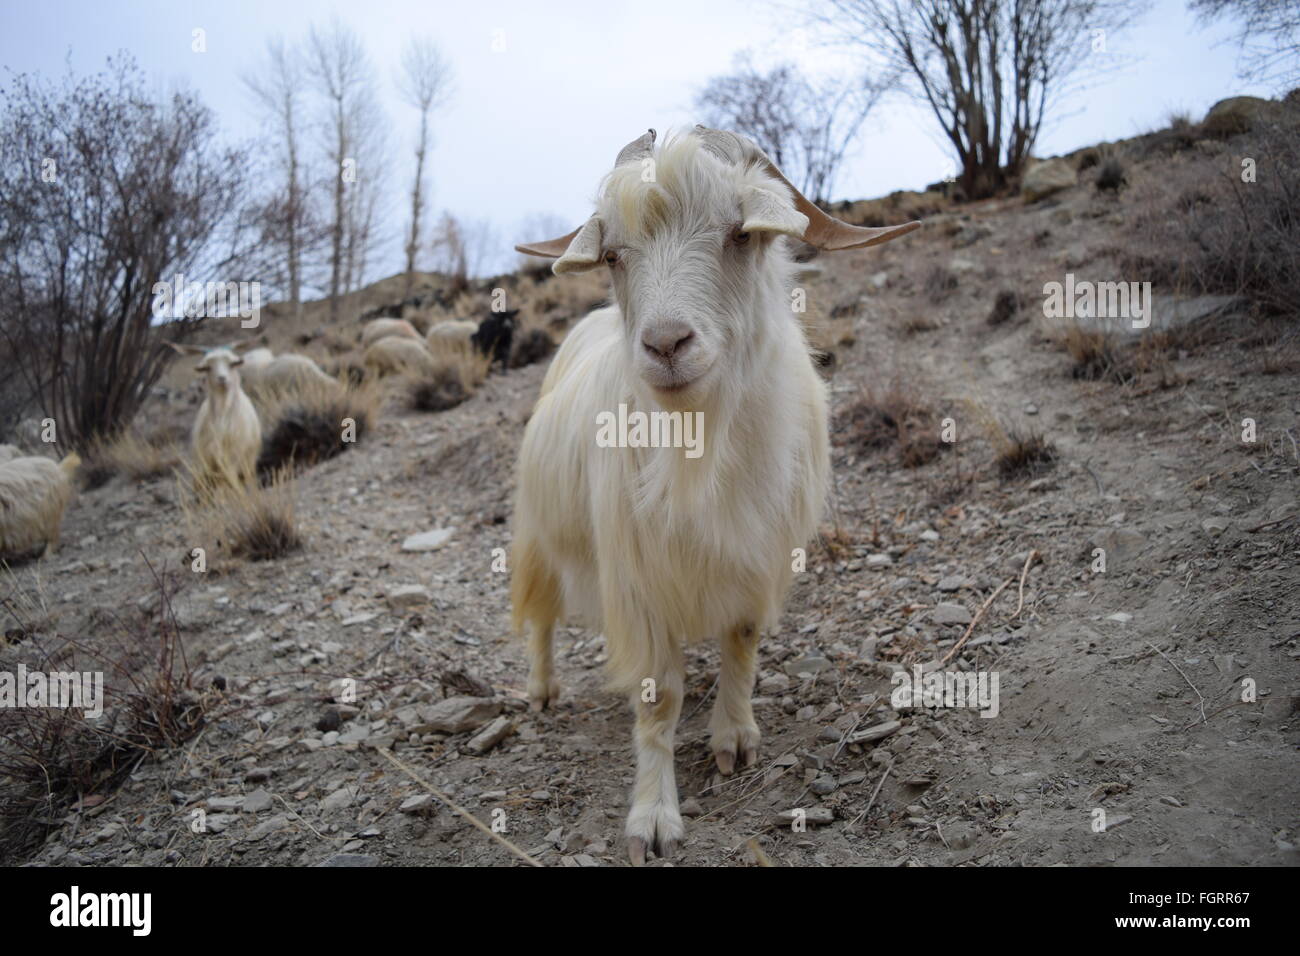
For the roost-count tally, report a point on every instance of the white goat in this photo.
(451, 337)
(34, 492)
(227, 434)
(9, 453)
(657, 546)
(377, 329)
(396, 354)
(263, 371)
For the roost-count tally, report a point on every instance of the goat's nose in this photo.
(667, 340)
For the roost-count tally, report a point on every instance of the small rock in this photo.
(807, 666)
(455, 715)
(421, 804)
(950, 614)
(428, 540)
(1215, 525)
(408, 596)
(491, 735)
(1119, 617)
(813, 816)
(259, 801)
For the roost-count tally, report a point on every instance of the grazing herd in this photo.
(226, 437)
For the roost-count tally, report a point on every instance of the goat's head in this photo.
(690, 233)
(219, 363)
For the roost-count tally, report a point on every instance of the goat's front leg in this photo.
(654, 822)
(543, 688)
(735, 735)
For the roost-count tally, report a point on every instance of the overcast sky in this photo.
(546, 93)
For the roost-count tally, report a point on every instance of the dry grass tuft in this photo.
(1096, 356)
(890, 416)
(531, 345)
(1005, 307)
(940, 283)
(1022, 454)
(131, 454)
(51, 757)
(438, 388)
(252, 522)
(305, 426)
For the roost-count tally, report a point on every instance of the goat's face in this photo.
(686, 292)
(220, 366)
(687, 266)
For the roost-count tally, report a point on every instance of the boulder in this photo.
(1046, 178)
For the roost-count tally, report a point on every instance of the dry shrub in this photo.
(939, 283)
(255, 522)
(889, 416)
(138, 457)
(1006, 306)
(1111, 176)
(51, 757)
(304, 426)
(1199, 229)
(451, 380)
(918, 323)
(530, 346)
(1096, 356)
(1024, 454)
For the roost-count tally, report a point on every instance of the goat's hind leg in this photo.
(535, 594)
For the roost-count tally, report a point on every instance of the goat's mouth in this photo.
(674, 380)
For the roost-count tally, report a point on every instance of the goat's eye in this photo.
(739, 237)
(611, 258)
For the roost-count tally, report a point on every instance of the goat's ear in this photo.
(185, 349)
(765, 211)
(244, 346)
(584, 251)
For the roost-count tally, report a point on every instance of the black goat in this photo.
(494, 336)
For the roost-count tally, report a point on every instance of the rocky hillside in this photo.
(1121, 683)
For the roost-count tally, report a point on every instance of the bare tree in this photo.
(462, 249)
(364, 207)
(1268, 32)
(425, 83)
(805, 126)
(278, 92)
(340, 70)
(988, 69)
(106, 193)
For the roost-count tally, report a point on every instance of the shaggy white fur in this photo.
(34, 493)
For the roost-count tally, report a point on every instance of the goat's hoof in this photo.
(658, 828)
(742, 743)
(540, 698)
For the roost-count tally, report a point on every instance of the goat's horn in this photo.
(638, 149)
(548, 248)
(824, 231)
